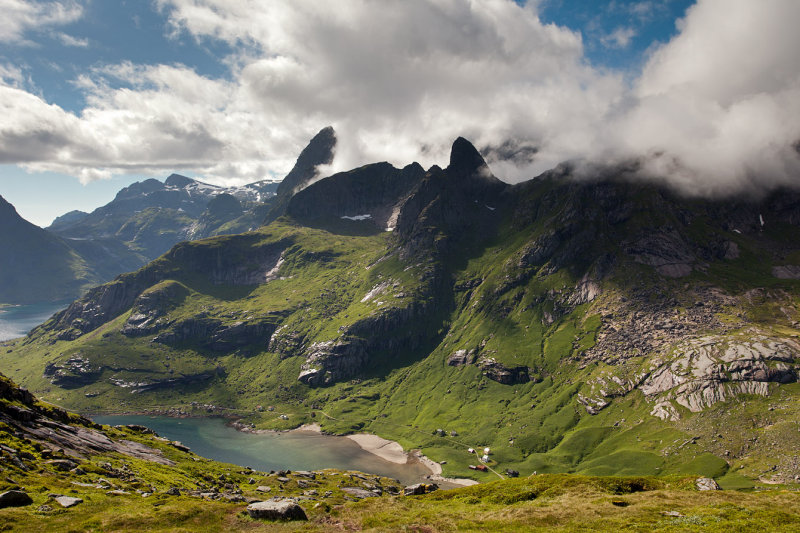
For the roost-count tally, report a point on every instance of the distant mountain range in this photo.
(80, 250)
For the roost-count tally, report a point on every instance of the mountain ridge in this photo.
(571, 304)
(143, 221)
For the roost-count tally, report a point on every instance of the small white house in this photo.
(471, 450)
(485, 459)
(487, 451)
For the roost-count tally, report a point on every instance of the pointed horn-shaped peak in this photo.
(319, 150)
(464, 158)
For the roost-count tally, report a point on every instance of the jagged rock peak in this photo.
(318, 152)
(465, 158)
(176, 180)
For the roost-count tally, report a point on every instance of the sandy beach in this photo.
(385, 449)
(392, 451)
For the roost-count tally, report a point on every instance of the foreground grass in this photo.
(578, 503)
(544, 502)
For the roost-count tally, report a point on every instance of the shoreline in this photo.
(393, 452)
(387, 450)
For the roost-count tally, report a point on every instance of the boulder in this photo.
(68, 501)
(420, 488)
(14, 498)
(706, 483)
(276, 509)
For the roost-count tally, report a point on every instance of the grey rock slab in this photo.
(276, 509)
(68, 501)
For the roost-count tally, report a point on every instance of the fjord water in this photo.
(18, 320)
(212, 438)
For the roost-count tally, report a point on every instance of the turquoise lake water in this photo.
(212, 438)
(18, 320)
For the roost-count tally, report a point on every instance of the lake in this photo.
(17, 321)
(212, 438)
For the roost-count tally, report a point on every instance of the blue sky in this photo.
(617, 33)
(99, 94)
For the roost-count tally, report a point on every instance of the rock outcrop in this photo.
(74, 372)
(217, 336)
(707, 483)
(14, 498)
(389, 329)
(55, 429)
(461, 358)
(331, 361)
(502, 374)
(708, 370)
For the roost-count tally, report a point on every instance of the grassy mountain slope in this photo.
(597, 327)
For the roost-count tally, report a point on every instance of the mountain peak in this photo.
(5, 205)
(465, 158)
(319, 151)
(176, 180)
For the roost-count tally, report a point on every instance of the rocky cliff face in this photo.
(371, 194)
(463, 201)
(391, 330)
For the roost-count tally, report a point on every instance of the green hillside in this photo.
(598, 327)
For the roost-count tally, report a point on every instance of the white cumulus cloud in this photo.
(713, 110)
(20, 16)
